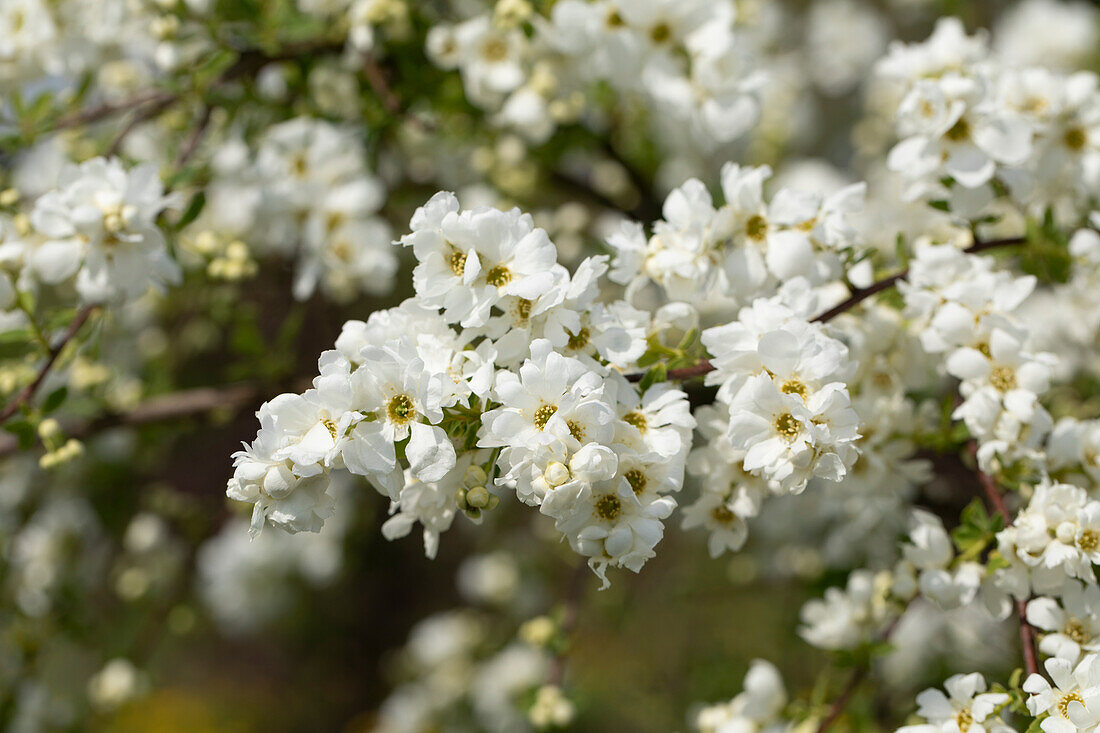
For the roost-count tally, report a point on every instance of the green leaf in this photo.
(16, 335)
(54, 400)
(23, 430)
(657, 374)
(1036, 724)
(194, 208)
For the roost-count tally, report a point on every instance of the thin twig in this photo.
(858, 296)
(376, 77)
(570, 615)
(861, 294)
(107, 109)
(859, 674)
(195, 138)
(997, 501)
(247, 64)
(142, 114)
(28, 392)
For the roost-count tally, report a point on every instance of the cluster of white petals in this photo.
(503, 373)
(96, 230)
(303, 193)
(973, 126)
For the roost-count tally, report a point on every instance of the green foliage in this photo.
(1046, 255)
(976, 530)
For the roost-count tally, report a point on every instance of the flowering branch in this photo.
(29, 391)
(996, 500)
(858, 296)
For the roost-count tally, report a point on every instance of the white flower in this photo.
(1072, 626)
(965, 707)
(100, 224)
(470, 261)
(755, 709)
(846, 617)
(1073, 701)
(405, 400)
(788, 440)
(553, 399)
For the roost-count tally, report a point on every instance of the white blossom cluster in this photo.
(742, 249)
(963, 306)
(686, 59)
(966, 705)
(121, 43)
(786, 414)
(96, 232)
(502, 373)
(450, 663)
(305, 194)
(974, 126)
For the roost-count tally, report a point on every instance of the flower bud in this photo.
(475, 476)
(478, 497)
(49, 428)
(556, 474)
(279, 481)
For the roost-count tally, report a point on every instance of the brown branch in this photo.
(195, 138)
(247, 64)
(570, 614)
(55, 351)
(107, 109)
(859, 674)
(380, 85)
(858, 296)
(997, 501)
(861, 294)
(172, 406)
(141, 114)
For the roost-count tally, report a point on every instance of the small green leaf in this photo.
(194, 208)
(657, 374)
(54, 400)
(23, 430)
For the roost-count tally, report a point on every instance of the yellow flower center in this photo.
(756, 227)
(401, 409)
(331, 426)
(1075, 138)
(499, 276)
(523, 310)
(543, 415)
(576, 430)
(964, 718)
(494, 49)
(721, 514)
(959, 131)
(608, 507)
(1003, 378)
(577, 341)
(457, 261)
(636, 419)
(660, 33)
(636, 479)
(1076, 630)
(1066, 699)
(794, 386)
(1089, 540)
(787, 426)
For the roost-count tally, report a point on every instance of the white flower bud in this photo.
(556, 474)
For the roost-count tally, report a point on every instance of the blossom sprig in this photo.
(974, 127)
(502, 373)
